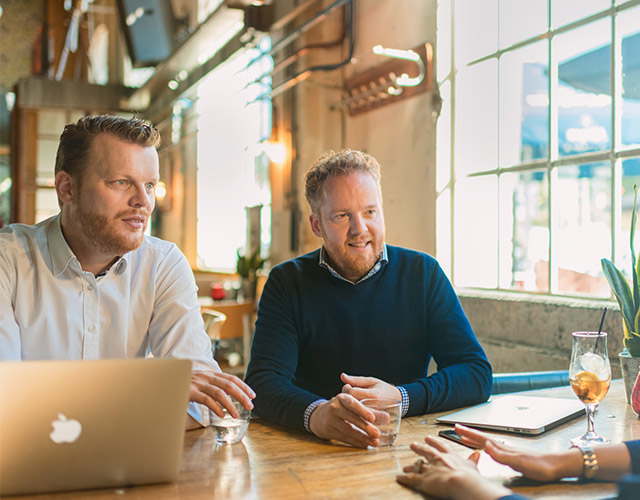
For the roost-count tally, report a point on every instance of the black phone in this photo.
(452, 435)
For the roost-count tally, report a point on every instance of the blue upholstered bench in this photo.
(525, 381)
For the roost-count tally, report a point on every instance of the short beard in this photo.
(97, 229)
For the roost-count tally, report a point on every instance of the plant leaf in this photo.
(621, 290)
(634, 263)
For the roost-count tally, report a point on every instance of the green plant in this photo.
(628, 300)
(247, 266)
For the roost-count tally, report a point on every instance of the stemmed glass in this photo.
(590, 376)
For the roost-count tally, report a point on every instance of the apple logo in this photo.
(65, 430)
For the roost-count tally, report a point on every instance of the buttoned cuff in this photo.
(199, 412)
(309, 411)
(405, 400)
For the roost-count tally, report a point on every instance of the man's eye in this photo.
(122, 182)
(150, 186)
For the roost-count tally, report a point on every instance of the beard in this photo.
(354, 267)
(101, 233)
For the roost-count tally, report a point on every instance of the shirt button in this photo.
(91, 328)
(89, 288)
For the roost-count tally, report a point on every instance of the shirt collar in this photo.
(382, 261)
(62, 255)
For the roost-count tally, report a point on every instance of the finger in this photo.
(426, 451)
(355, 381)
(233, 387)
(359, 393)
(472, 436)
(436, 443)
(354, 436)
(411, 479)
(474, 457)
(354, 412)
(197, 396)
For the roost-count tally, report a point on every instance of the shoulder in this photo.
(298, 266)
(19, 239)
(156, 252)
(407, 256)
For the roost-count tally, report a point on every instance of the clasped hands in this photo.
(345, 419)
(215, 390)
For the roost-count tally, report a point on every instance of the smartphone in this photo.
(452, 435)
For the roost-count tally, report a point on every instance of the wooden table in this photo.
(274, 462)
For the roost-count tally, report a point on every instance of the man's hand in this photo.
(345, 419)
(215, 390)
(369, 387)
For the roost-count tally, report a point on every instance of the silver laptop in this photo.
(518, 414)
(68, 425)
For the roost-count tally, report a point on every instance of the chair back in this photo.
(213, 322)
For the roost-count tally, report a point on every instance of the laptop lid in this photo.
(88, 424)
(518, 414)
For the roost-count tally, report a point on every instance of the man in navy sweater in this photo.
(359, 319)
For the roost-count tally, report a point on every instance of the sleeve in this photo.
(464, 375)
(176, 328)
(10, 344)
(634, 451)
(274, 358)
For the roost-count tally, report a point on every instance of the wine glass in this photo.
(590, 376)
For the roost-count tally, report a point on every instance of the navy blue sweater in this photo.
(313, 326)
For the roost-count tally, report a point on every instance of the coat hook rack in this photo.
(390, 81)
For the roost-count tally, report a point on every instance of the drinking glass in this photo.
(590, 376)
(387, 414)
(229, 430)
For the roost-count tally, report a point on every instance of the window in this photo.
(234, 121)
(538, 142)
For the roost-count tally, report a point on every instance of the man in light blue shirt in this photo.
(88, 284)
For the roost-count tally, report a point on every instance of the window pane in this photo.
(524, 231)
(524, 104)
(584, 88)
(521, 20)
(476, 33)
(628, 26)
(476, 232)
(232, 123)
(630, 176)
(567, 11)
(476, 108)
(582, 211)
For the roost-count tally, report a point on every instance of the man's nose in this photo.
(142, 197)
(357, 225)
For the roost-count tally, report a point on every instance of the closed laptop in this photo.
(68, 425)
(517, 414)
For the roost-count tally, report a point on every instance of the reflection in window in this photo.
(524, 241)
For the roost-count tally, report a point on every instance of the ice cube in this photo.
(595, 364)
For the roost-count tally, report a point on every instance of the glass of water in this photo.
(387, 414)
(229, 430)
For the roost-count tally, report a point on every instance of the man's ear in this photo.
(65, 187)
(315, 224)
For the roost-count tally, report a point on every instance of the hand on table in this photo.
(345, 419)
(369, 388)
(215, 390)
(534, 465)
(447, 475)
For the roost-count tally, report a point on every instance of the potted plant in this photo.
(247, 267)
(629, 302)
